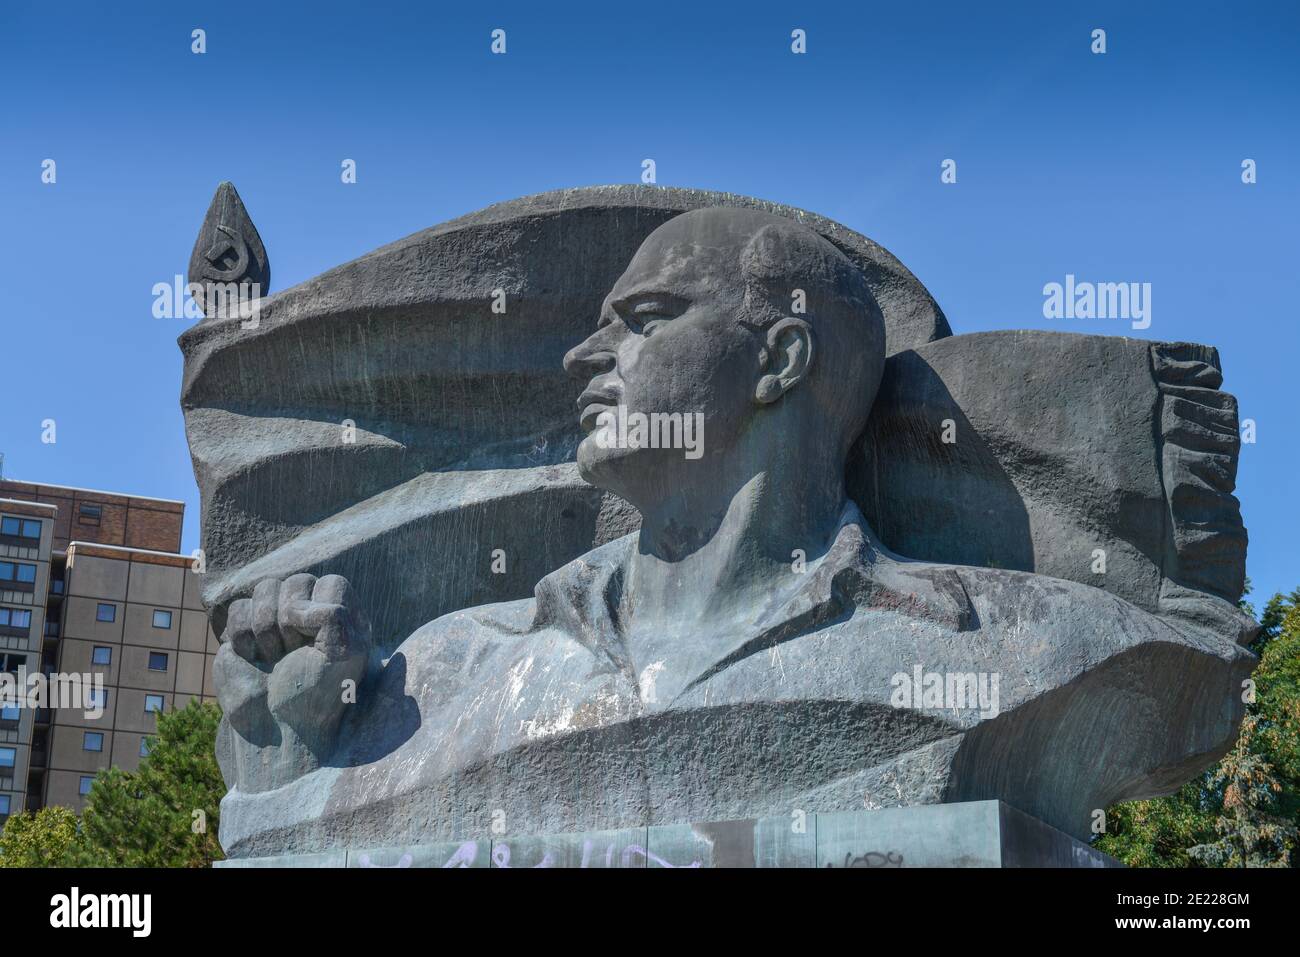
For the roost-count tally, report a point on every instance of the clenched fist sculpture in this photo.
(290, 660)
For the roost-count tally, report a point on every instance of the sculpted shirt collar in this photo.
(583, 599)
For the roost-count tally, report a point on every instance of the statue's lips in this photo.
(593, 403)
(591, 414)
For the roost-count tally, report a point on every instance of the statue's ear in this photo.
(786, 360)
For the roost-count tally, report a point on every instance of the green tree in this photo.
(1275, 612)
(165, 813)
(44, 839)
(1250, 833)
(1159, 832)
(1277, 707)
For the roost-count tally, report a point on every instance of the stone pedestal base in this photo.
(974, 834)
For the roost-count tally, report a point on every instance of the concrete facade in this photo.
(109, 598)
(141, 656)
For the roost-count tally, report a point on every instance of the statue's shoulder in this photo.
(963, 597)
(1005, 592)
(1002, 599)
(973, 598)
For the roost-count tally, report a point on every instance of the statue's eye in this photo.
(650, 315)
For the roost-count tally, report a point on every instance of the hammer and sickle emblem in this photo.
(227, 240)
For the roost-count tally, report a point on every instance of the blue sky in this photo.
(1117, 167)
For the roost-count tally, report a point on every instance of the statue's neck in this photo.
(714, 559)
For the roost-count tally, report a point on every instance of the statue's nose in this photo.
(591, 358)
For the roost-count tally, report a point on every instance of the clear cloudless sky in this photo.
(1118, 167)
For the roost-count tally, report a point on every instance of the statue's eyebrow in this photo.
(624, 305)
(670, 301)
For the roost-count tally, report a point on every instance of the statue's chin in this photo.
(604, 468)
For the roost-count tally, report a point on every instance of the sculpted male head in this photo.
(754, 321)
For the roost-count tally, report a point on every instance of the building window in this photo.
(88, 514)
(86, 781)
(105, 612)
(102, 655)
(9, 713)
(7, 757)
(92, 741)
(15, 621)
(20, 528)
(51, 629)
(4, 805)
(162, 619)
(56, 586)
(98, 698)
(11, 662)
(144, 747)
(153, 702)
(17, 573)
(157, 661)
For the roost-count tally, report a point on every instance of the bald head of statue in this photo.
(756, 326)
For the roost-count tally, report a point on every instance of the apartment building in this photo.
(26, 541)
(100, 588)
